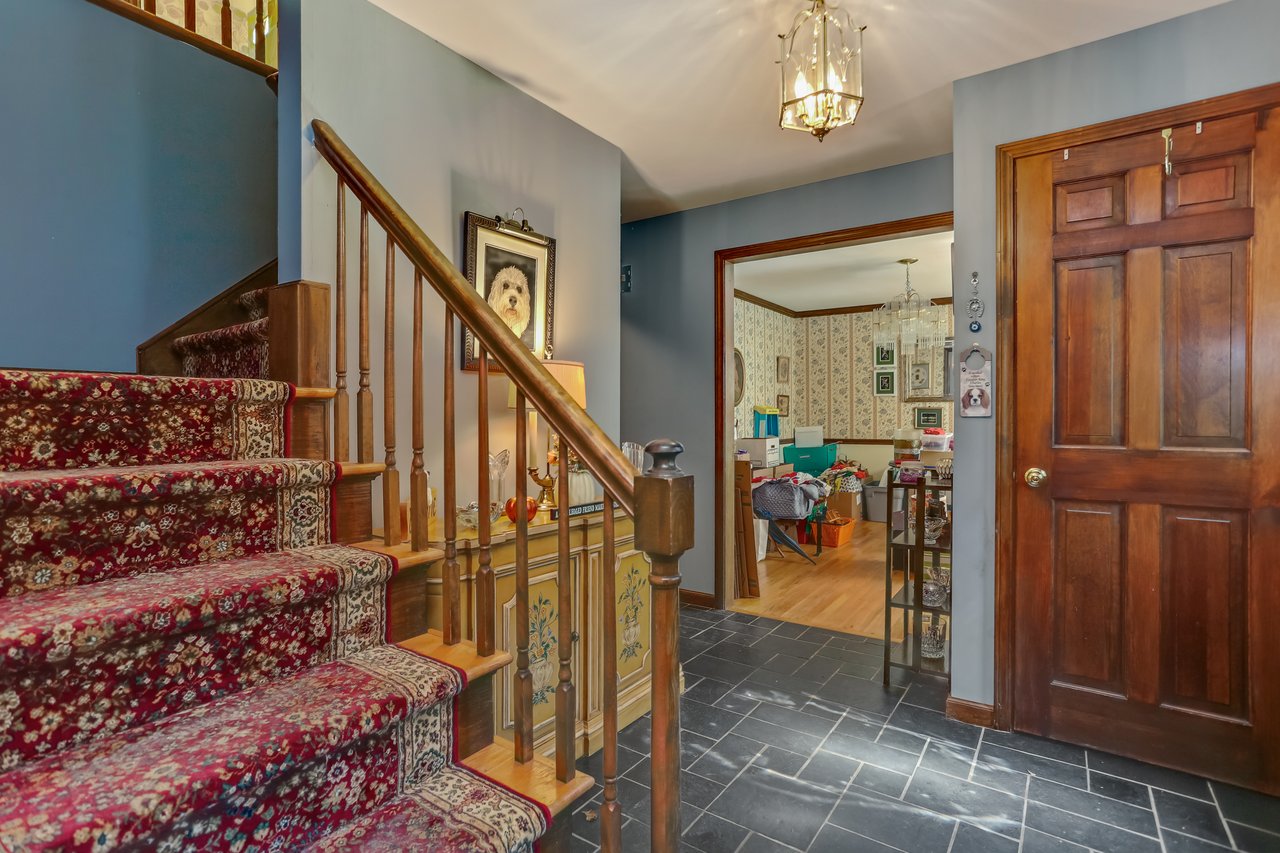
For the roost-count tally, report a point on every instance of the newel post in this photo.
(664, 531)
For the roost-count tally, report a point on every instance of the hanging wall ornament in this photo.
(976, 306)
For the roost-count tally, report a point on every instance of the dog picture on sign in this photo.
(975, 383)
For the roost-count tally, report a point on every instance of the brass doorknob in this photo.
(1036, 477)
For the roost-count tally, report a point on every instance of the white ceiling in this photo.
(866, 274)
(688, 90)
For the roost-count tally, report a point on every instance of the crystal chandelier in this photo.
(821, 70)
(908, 322)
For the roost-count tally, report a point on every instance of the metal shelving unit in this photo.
(922, 562)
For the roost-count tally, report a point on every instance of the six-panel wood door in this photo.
(1147, 368)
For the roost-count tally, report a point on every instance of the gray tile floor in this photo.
(791, 743)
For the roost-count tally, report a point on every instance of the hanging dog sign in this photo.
(975, 383)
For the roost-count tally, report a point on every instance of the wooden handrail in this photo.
(595, 449)
(660, 501)
(147, 17)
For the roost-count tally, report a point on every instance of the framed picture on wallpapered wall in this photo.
(784, 370)
(513, 268)
(784, 405)
(885, 384)
(928, 418)
(886, 356)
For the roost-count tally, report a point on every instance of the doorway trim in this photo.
(756, 251)
(1223, 106)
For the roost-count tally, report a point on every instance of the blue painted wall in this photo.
(1220, 50)
(139, 179)
(668, 348)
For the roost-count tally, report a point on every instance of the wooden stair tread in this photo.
(461, 655)
(300, 393)
(403, 554)
(535, 780)
(361, 469)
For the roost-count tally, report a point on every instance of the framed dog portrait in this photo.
(514, 270)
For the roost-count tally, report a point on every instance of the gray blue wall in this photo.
(445, 136)
(668, 350)
(139, 180)
(1220, 50)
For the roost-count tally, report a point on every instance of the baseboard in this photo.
(974, 713)
(697, 599)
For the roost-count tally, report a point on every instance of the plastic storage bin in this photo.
(810, 460)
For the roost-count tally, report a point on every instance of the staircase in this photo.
(188, 662)
(205, 644)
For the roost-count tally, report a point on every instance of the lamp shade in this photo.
(572, 376)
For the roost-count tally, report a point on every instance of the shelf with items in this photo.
(919, 530)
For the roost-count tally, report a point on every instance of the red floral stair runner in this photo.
(79, 420)
(63, 528)
(238, 351)
(99, 658)
(185, 663)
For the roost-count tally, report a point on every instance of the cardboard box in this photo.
(847, 504)
(808, 436)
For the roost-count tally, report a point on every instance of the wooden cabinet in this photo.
(586, 558)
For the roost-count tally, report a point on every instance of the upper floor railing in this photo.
(660, 501)
(241, 31)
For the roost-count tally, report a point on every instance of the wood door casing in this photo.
(1147, 384)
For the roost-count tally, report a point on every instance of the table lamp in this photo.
(572, 377)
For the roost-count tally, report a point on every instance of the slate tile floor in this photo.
(791, 743)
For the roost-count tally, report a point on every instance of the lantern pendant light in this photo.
(821, 70)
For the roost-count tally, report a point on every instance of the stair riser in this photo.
(278, 782)
(126, 673)
(73, 532)
(74, 420)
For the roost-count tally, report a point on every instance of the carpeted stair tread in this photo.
(237, 351)
(82, 661)
(57, 419)
(255, 302)
(202, 775)
(62, 528)
(455, 810)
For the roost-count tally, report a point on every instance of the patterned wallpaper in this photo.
(763, 335)
(831, 374)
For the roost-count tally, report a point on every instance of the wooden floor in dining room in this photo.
(843, 592)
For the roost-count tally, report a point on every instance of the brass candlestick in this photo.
(547, 497)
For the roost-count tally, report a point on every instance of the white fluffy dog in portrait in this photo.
(509, 297)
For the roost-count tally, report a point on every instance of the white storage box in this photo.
(765, 452)
(809, 436)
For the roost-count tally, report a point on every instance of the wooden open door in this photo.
(1146, 445)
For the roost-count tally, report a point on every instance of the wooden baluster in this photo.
(189, 15)
(226, 23)
(390, 477)
(418, 496)
(485, 592)
(364, 397)
(611, 810)
(451, 629)
(341, 402)
(523, 691)
(664, 531)
(566, 706)
(259, 34)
